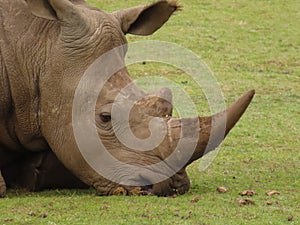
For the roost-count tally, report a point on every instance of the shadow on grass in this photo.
(23, 193)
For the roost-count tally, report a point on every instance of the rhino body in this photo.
(45, 48)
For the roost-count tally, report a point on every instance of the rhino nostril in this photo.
(183, 189)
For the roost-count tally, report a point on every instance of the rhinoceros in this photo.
(45, 48)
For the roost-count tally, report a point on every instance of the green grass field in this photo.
(247, 44)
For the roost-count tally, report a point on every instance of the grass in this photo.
(247, 44)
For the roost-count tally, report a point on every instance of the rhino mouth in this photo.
(152, 190)
(178, 184)
(147, 190)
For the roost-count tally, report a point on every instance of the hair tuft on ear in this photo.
(176, 5)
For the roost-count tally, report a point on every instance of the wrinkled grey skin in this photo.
(45, 48)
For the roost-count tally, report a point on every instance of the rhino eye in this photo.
(105, 118)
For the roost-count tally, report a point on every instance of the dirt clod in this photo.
(222, 190)
(247, 193)
(195, 200)
(136, 191)
(272, 192)
(246, 202)
(120, 191)
(43, 215)
(32, 214)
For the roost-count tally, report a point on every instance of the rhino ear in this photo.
(53, 9)
(143, 20)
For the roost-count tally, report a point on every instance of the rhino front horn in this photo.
(214, 129)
